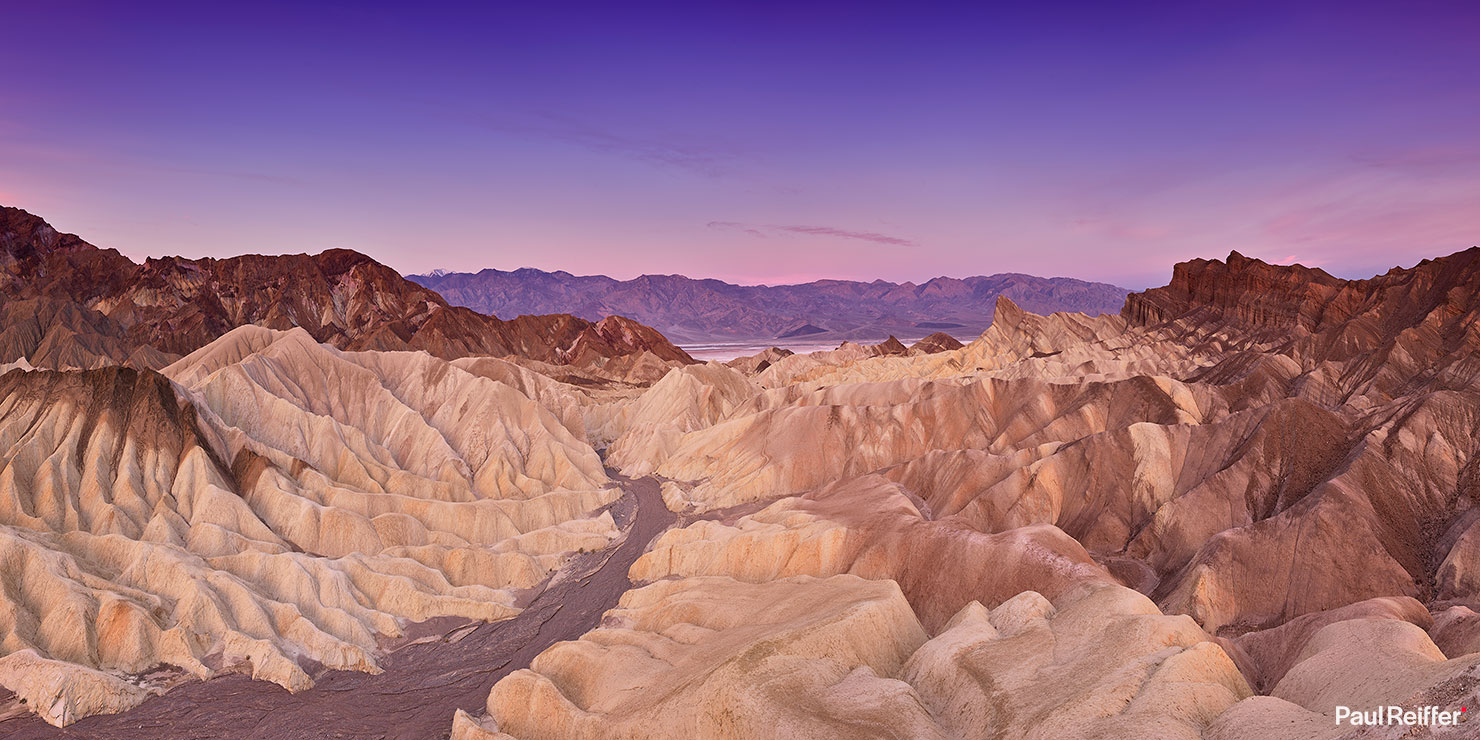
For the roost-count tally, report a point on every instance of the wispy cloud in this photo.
(770, 230)
(700, 159)
(867, 236)
(732, 226)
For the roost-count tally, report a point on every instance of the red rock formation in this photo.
(344, 298)
(1405, 330)
(1251, 290)
(937, 342)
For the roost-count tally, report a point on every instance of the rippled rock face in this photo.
(1398, 333)
(267, 501)
(844, 657)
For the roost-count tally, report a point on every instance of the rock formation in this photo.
(265, 501)
(844, 657)
(937, 342)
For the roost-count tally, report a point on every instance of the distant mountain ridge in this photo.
(696, 310)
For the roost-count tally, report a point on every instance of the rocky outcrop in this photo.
(1395, 334)
(752, 364)
(937, 342)
(1249, 290)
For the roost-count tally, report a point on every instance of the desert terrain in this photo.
(304, 497)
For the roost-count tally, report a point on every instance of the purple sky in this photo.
(756, 145)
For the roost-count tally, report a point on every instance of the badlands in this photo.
(1245, 501)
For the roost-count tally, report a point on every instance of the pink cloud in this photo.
(768, 230)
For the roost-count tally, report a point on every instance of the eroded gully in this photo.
(422, 683)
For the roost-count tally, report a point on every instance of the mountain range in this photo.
(66, 303)
(695, 311)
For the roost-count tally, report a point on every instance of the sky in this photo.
(753, 142)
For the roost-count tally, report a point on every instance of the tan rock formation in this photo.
(844, 657)
(1359, 663)
(711, 657)
(759, 361)
(287, 500)
(872, 528)
(63, 692)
